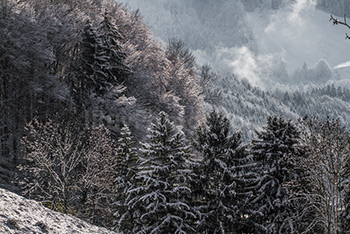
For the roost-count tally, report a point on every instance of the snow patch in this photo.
(21, 216)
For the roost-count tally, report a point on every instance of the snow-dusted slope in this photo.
(22, 216)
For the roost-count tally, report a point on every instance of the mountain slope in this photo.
(248, 107)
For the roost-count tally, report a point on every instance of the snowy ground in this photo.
(22, 216)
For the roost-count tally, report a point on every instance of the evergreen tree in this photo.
(98, 69)
(81, 72)
(268, 206)
(158, 198)
(126, 168)
(218, 184)
(109, 68)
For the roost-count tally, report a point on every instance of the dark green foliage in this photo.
(126, 168)
(157, 200)
(276, 143)
(81, 78)
(218, 177)
(109, 66)
(99, 66)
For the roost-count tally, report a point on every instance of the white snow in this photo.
(22, 216)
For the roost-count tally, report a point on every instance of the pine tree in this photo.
(98, 69)
(157, 201)
(110, 68)
(218, 184)
(268, 206)
(126, 168)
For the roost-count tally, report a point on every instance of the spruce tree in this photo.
(85, 80)
(158, 198)
(81, 72)
(110, 68)
(98, 68)
(126, 168)
(268, 207)
(218, 181)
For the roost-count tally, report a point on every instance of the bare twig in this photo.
(336, 22)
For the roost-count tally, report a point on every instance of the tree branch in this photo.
(336, 22)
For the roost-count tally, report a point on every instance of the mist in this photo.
(265, 43)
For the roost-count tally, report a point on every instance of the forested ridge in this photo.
(99, 120)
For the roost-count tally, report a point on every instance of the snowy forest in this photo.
(101, 120)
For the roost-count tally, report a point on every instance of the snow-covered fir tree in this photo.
(218, 182)
(126, 168)
(81, 70)
(158, 197)
(268, 207)
(98, 68)
(110, 68)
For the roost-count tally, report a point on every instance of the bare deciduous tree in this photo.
(327, 148)
(69, 168)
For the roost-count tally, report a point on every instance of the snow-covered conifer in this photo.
(218, 182)
(109, 65)
(158, 199)
(268, 206)
(126, 168)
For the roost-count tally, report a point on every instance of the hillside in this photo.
(89, 63)
(273, 47)
(23, 216)
(128, 130)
